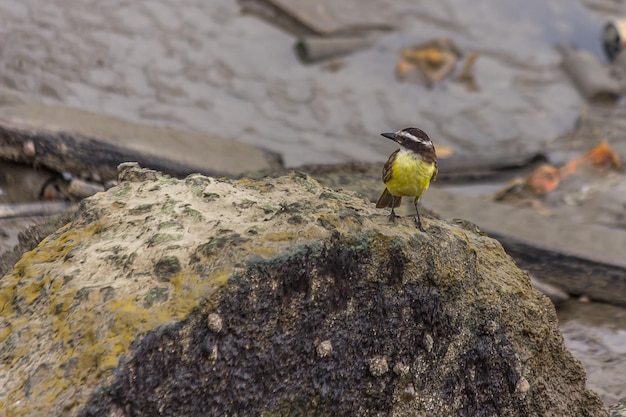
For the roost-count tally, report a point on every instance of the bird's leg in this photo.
(418, 220)
(392, 216)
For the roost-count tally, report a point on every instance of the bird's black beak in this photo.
(391, 136)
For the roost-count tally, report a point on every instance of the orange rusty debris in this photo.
(404, 68)
(467, 73)
(601, 157)
(443, 151)
(543, 179)
(431, 61)
(431, 56)
(547, 178)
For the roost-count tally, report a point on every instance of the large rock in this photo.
(211, 296)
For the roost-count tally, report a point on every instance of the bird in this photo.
(409, 170)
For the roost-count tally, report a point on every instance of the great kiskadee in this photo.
(409, 170)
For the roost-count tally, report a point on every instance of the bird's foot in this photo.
(393, 217)
(418, 224)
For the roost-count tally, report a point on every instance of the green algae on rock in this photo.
(248, 311)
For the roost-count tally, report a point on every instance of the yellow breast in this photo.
(410, 175)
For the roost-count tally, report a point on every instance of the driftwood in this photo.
(88, 145)
(464, 169)
(591, 77)
(321, 18)
(44, 208)
(60, 151)
(314, 49)
(579, 275)
(72, 152)
(452, 170)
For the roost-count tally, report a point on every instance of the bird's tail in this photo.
(386, 199)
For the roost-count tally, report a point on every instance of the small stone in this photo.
(401, 369)
(213, 355)
(409, 393)
(214, 322)
(522, 387)
(491, 327)
(428, 342)
(167, 267)
(110, 184)
(51, 192)
(584, 299)
(83, 189)
(29, 148)
(378, 365)
(324, 348)
(132, 172)
(555, 294)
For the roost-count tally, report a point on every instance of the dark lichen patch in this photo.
(160, 238)
(348, 213)
(395, 261)
(208, 197)
(170, 224)
(166, 267)
(169, 206)
(218, 243)
(327, 223)
(141, 209)
(467, 225)
(197, 184)
(193, 213)
(123, 260)
(291, 208)
(254, 230)
(490, 361)
(295, 219)
(265, 359)
(294, 270)
(327, 195)
(213, 246)
(122, 190)
(245, 204)
(155, 295)
(107, 293)
(306, 181)
(268, 209)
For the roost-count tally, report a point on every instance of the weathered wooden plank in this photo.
(70, 140)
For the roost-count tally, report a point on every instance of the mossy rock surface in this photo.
(248, 312)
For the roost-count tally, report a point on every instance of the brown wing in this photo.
(387, 167)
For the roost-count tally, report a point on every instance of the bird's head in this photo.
(410, 138)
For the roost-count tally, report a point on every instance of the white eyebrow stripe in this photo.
(413, 138)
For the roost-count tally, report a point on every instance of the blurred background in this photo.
(522, 98)
(209, 67)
